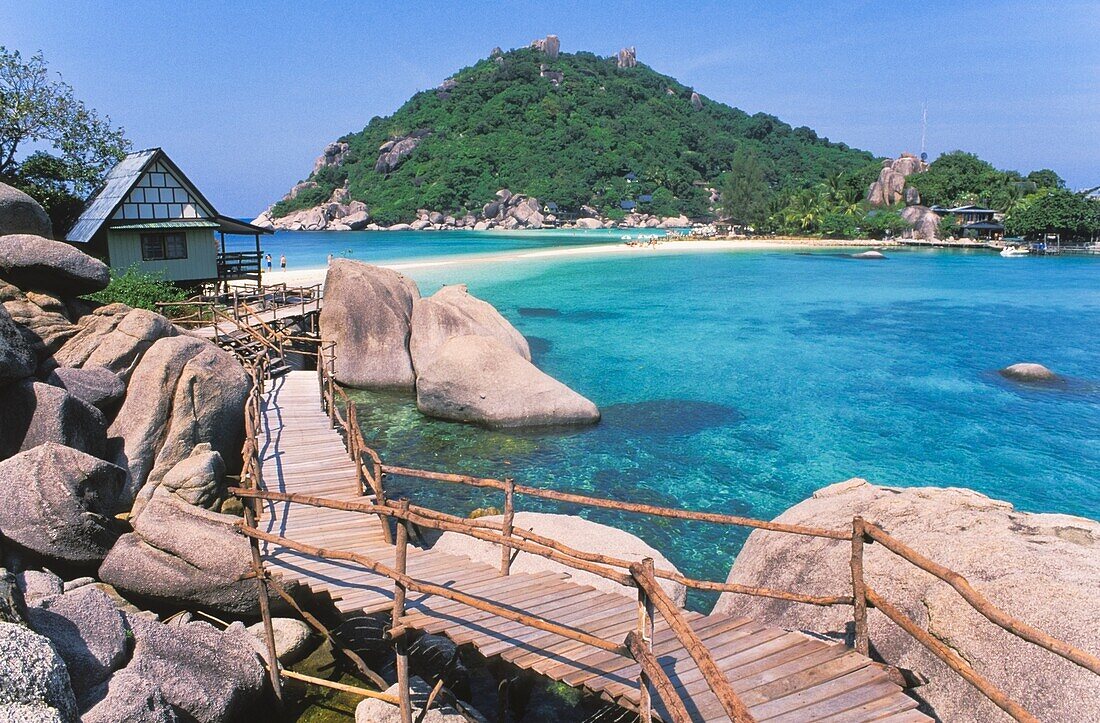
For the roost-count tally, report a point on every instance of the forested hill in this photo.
(572, 128)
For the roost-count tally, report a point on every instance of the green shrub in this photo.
(140, 290)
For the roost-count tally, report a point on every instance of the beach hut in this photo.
(627, 205)
(148, 214)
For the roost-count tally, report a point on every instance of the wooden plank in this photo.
(567, 612)
(794, 707)
(884, 708)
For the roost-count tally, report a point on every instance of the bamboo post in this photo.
(695, 647)
(674, 704)
(506, 528)
(265, 605)
(862, 642)
(645, 637)
(402, 642)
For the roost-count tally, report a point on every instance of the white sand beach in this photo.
(309, 277)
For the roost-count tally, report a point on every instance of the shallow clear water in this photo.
(310, 249)
(741, 382)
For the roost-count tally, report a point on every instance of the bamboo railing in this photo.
(370, 471)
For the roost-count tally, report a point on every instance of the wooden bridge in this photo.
(778, 675)
(324, 522)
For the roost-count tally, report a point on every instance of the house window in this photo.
(163, 246)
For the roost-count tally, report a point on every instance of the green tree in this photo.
(744, 190)
(884, 223)
(38, 109)
(958, 178)
(1071, 215)
(1046, 178)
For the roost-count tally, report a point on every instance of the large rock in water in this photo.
(1028, 372)
(56, 502)
(186, 556)
(454, 311)
(36, 413)
(19, 214)
(89, 634)
(1040, 568)
(34, 684)
(368, 313)
(34, 262)
(114, 337)
(575, 532)
(184, 392)
(479, 379)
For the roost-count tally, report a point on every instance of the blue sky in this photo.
(244, 95)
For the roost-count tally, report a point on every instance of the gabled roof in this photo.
(118, 184)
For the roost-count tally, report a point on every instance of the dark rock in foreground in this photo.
(99, 387)
(1028, 372)
(209, 675)
(479, 379)
(182, 555)
(56, 501)
(37, 263)
(34, 683)
(36, 413)
(88, 632)
(17, 358)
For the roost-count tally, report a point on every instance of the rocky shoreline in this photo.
(507, 212)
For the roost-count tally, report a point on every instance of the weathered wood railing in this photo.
(371, 471)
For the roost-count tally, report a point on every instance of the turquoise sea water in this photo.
(742, 381)
(310, 249)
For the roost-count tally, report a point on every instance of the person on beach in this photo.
(330, 259)
(282, 262)
(269, 263)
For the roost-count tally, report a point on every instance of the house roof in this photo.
(118, 184)
(103, 203)
(175, 223)
(970, 209)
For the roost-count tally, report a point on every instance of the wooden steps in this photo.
(780, 675)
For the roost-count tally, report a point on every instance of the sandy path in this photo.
(308, 277)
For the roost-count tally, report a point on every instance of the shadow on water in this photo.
(541, 312)
(539, 346)
(669, 417)
(1086, 389)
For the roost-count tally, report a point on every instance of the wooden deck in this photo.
(225, 328)
(781, 676)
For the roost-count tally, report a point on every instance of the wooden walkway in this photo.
(781, 676)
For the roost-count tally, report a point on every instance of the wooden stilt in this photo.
(402, 642)
(506, 529)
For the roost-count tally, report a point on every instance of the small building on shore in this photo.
(974, 221)
(150, 216)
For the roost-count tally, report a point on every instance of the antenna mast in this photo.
(923, 129)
